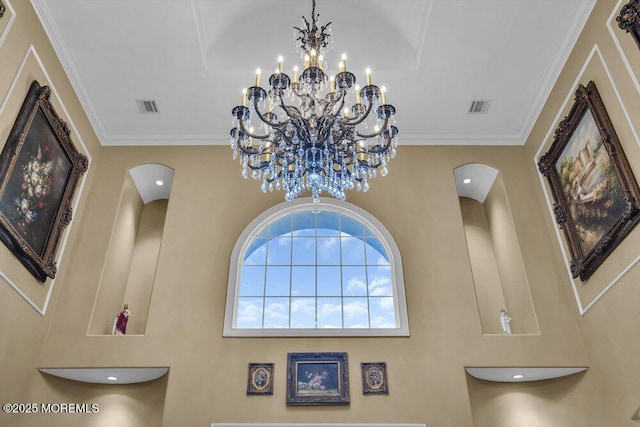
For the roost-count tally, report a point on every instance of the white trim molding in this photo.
(583, 306)
(31, 52)
(313, 425)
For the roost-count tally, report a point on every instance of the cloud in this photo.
(356, 286)
(304, 305)
(249, 313)
(283, 241)
(327, 247)
(328, 309)
(307, 243)
(380, 286)
(355, 308)
(385, 304)
(382, 260)
(358, 325)
(353, 252)
(276, 311)
(329, 326)
(330, 315)
(382, 322)
(258, 254)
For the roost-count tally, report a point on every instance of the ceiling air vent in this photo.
(479, 106)
(147, 106)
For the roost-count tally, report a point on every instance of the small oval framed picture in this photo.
(260, 378)
(374, 378)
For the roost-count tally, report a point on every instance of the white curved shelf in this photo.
(506, 375)
(99, 375)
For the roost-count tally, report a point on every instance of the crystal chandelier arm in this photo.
(370, 93)
(361, 114)
(298, 122)
(386, 113)
(291, 111)
(262, 165)
(251, 134)
(249, 150)
(387, 137)
(330, 102)
(263, 117)
(295, 88)
(375, 134)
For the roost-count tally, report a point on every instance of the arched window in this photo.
(315, 269)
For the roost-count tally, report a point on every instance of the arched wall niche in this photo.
(499, 275)
(129, 268)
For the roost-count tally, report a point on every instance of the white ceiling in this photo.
(193, 57)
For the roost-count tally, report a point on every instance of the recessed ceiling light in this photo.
(112, 378)
(517, 376)
(159, 183)
(467, 180)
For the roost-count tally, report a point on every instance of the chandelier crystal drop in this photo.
(320, 143)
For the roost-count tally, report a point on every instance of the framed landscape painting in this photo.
(594, 190)
(39, 171)
(317, 379)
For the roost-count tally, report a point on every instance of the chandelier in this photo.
(301, 135)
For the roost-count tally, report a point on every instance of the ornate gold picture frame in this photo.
(595, 193)
(260, 379)
(374, 378)
(629, 19)
(317, 379)
(39, 170)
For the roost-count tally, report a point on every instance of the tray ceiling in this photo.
(194, 57)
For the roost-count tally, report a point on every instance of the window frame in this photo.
(281, 210)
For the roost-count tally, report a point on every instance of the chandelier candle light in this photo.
(321, 144)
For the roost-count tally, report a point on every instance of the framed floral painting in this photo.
(317, 379)
(374, 378)
(595, 193)
(260, 379)
(39, 170)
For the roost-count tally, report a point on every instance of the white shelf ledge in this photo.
(99, 375)
(506, 375)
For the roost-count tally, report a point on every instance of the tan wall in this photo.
(22, 327)
(117, 261)
(207, 381)
(609, 326)
(144, 264)
(209, 207)
(484, 267)
(550, 403)
(515, 286)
